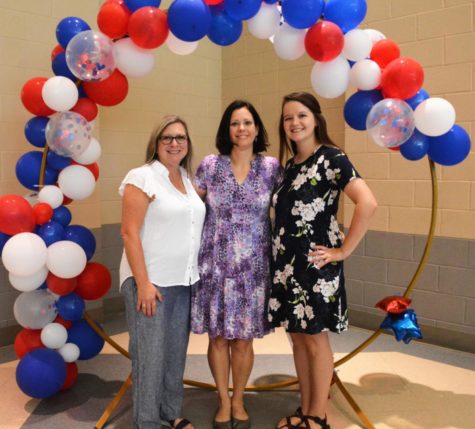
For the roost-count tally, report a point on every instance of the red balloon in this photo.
(66, 323)
(43, 213)
(402, 78)
(66, 200)
(148, 27)
(87, 108)
(56, 50)
(16, 215)
(384, 51)
(113, 20)
(94, 282)
(71, 376)
(32, 98)
(108, 92)
(26, 341)
(394, 304)
(214, 2)
(60, 286)
(324, 41)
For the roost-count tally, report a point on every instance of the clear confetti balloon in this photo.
(390, 122)
(90, 56)
(68, 134)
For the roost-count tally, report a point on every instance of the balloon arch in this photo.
(48, 259)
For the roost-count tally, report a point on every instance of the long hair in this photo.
(223, 140)
(287, 146)
(154, 140)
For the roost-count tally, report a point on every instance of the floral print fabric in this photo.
(305, 299)
(231, 298)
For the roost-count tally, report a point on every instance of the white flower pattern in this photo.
(304, 299)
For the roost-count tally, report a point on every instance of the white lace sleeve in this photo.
(140, 177)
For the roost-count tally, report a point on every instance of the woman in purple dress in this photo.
(230, 300)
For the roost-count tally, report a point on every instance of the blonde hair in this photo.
(152, 148)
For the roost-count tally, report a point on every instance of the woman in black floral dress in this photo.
(308, 294)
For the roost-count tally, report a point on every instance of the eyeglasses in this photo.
(179, 138)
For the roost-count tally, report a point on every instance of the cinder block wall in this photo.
(437, 33)
(186, 85)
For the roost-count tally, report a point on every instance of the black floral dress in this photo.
(305, 299)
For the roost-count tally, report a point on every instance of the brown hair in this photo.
(152, 147)
(288, 147)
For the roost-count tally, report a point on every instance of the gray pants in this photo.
(157, 346)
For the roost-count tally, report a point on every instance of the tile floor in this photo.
(398, 386)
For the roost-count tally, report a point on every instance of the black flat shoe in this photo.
(241, 424)
(182, 424)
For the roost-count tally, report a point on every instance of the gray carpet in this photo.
(100, 379)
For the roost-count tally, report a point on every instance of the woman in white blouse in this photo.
(162, 220)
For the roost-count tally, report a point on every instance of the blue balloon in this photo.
(51, 232)
(416, 147)
(302, 13)
(68, 27)
(240, 10)
(133, 5)
(89, 342)
(62, 215)
(189, 20)
(28, 169)
(3, 239)
(450, 148)
(71, 307)
(270, 1)
(35, 130)
(347, 14)
(84, 237)
(417, 99)
(358, 106)
(223, 30)
(57, 162)
(404, 325)
(41, 373)
(60, 68)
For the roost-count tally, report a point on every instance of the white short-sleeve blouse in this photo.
(171, 231)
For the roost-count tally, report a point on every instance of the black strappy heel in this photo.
(322, 422)
(288, 420)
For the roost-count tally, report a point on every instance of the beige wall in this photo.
(440, 35)
(186, 85)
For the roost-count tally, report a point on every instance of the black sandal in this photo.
(288, 420)
(322, 422)
(182, 424)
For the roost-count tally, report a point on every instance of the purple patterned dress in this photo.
(230, 300)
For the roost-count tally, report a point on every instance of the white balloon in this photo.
(289, 42)
(178, 46)
(24, 254)
(54, 335)
(66, 259)
(132, 60)
(28, 283)
(357, 45)
(51, 195)
(434, 116)
(60, 93)
(330, 79)
(374, 35)
(35, 309)
(91, 154)
(265, 23)
(76, 182)
(70, 352)
(365, 75)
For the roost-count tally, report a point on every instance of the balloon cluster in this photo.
(48, 259)
(401, 319)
